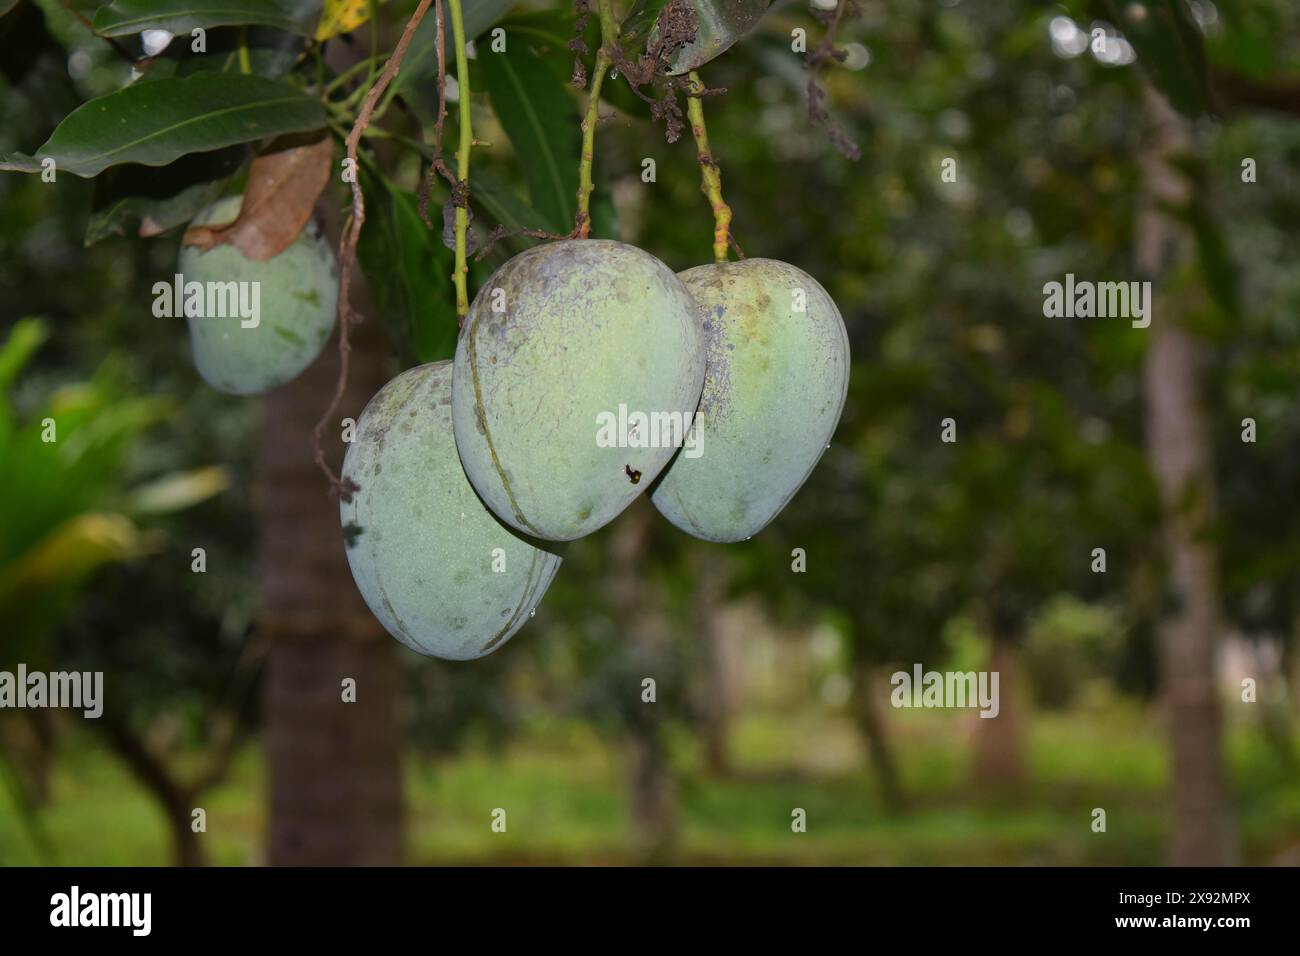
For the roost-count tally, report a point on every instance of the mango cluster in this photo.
(470, 475)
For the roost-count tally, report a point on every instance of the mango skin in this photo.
(773, 394)
(299, 295)
(419, 541)
(586, 325)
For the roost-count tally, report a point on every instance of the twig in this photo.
(709, 171)
(816, 112)
(502, 232)
(348, 245)
(118, 48)
(437, 166)
(460, 192)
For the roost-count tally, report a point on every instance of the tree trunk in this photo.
(716, 691)
(1000, 741)
(652, 794)
(333, 766)
(873, 726)
(1181, 459)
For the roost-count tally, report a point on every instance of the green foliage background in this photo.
(916, 548)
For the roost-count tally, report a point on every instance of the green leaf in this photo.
(721, 23)
(409, 271)
(541, 119)
(125, 17)
(24, 339)
(421, 60)
(499, 201)
(178, 490)
(1170, 51)
(6, 6)
(638, 25)
(156, 123)
(138, 200)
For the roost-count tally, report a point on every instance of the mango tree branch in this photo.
(348, 241)
(436, 165)
(712, 176)
(609, 30)
(460, 193)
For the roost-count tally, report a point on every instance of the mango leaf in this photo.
(271, 54)
(1170, 51)
(421, 60)
(409, 271)
(498, 200)
(138, 200)
(178, 490)
(157, 123)
(720, 24)
(342, 16)
(541, 119)
(126, 17)
(547, 28)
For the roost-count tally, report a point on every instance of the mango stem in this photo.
(461, 194)
(710, 173)
(609, 33)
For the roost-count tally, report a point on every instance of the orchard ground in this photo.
(563, 789)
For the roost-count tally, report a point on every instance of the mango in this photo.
(575, 373)
(295, 297)
(438, 570)
(778, 372)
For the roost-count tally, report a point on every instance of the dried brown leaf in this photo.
(283, 186)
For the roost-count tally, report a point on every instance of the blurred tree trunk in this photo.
(334, 771)
(640, 610)
(1000, 741)
(868, 691)
(1181, 459)
(717, 690)
(29, 741)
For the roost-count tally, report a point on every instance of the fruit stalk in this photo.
(460, 195)
(609, 30)
(347, 255)
(712, 176)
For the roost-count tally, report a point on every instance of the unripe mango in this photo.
(439, 571)
(564, 338)
(297, 293)
(778, 373)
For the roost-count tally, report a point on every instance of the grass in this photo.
(563, 790)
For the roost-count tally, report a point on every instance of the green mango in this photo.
(439, 571)
(778, 373)
(297, 293)
(566, 348)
